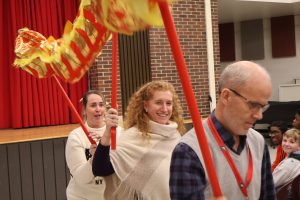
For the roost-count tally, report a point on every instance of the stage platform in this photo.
(8, 136)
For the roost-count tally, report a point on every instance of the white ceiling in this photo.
(241, 10)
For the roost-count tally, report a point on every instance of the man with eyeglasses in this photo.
(240, 154)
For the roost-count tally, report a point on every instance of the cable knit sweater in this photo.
(82, 184)
(142, 165)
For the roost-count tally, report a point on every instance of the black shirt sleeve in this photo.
(101, 162)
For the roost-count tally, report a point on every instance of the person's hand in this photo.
(93, 149)
(111, 120)
(95, 136)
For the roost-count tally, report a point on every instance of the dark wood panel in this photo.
(135, 68)
(227, 42)
(60, 166)
(67, 169)
(283, 36)
(38, 170)
(14, 172)
(49, 173)
(252, 40)
(4, 183)
(33, 170)
(26, 171)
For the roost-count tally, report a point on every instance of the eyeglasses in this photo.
(254, 106)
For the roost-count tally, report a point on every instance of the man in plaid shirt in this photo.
(245, 88)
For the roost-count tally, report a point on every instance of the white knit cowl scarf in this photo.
(142, 165)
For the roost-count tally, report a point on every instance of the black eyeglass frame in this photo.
(255, 106)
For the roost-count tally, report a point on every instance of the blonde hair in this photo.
(293, 133)
(137, 116)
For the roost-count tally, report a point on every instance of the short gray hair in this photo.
(237, 74)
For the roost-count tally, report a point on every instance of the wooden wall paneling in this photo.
(143, 52)
(132, 58)
(66, 169)
(4, 179)
(146, 55)
(49, 171)
(138, 68)
(123, 60)
(33, 170)
(252, 40)
(227, 42)
(283, 36)
(124, 70)
(26, 171)
(129, 83)
(140, 65)
(38, 170)
(60, 166)
(136, 65)
(14, 172)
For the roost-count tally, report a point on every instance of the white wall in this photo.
(282, 70)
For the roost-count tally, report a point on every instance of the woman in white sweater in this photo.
(79, 152)
(139, 167)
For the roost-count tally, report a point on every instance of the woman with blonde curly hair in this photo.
(139, 167)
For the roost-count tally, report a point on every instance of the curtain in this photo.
(26, 101)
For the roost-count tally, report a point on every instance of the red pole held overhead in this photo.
(190, 97)
(114, 84)
(67, 99)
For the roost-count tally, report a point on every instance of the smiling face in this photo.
(290, 144)
(159, 107)
(95, 111)
(291, 141)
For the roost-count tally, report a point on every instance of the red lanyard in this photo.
(243, 186)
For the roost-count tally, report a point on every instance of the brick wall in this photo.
(189, 19)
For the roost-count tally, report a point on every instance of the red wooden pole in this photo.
(189, 94)
(67, 99)
(114, 85)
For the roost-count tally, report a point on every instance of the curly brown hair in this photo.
(136, 115)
